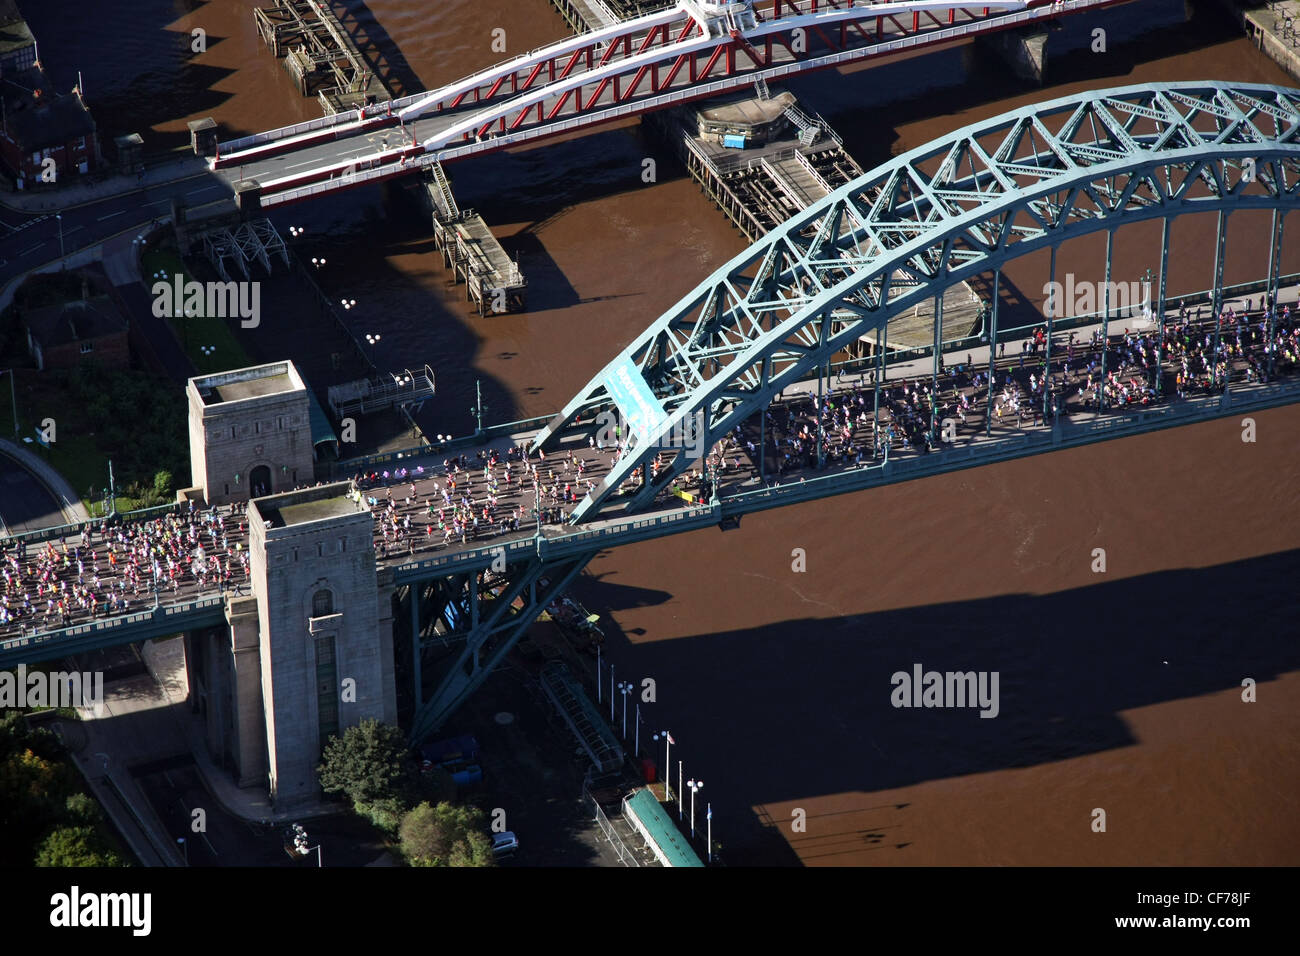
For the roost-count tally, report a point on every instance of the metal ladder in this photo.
(808, 130)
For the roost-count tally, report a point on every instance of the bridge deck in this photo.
(406, 534)
(353, 156)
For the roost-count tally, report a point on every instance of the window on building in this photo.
(87, 347)
(322, 603)
(327, 698)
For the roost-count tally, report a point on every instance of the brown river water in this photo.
(1119, 691)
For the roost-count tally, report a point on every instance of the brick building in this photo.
(36, 124)
(64, 336)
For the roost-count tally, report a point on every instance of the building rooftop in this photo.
(245, 383)
(748, 111)
(253, 388)
(74, 322)
(51, 121)
(14, 34)
(306, 505)
(302, 512)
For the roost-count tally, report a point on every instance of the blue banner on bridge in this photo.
(641, 411)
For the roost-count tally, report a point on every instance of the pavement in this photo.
(84, 190)
(30, 504)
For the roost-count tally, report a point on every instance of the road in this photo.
(25, 503)
(32, 240)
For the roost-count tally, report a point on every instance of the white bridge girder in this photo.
(936, 216)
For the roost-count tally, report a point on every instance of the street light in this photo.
(185, 848)
(59, 217)
(668, 752)
(479, 407)
(696, 786)
(372, 339)
(624, 687)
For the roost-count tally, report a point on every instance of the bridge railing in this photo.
(63, 530)
(158, 616)
(400, 454)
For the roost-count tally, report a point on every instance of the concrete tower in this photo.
(250, 432)
(325, 629)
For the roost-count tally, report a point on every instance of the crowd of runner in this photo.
(108, 570)
(1138, 370)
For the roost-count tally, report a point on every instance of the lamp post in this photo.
(680, 796)
(636, 747)
(59, 217)
(624, 687)
(708, 817)
(185, 848)
(668, 752)
(696, 786)
(479, 407)
(598, 681)
(13, 398)
(611, 686)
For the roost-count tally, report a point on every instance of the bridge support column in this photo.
(1160, 307)
(1216, 298)
(993, 352)
(1105, 322)
(1023, 49)
(938, 357)
(1052, 306)
(488, 637)
(248, 736)
(1274, 271)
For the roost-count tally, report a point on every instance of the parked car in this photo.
(504, 844)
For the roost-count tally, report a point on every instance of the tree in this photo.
(76, 846)
(81, 809)
(445, 835)
(162, 484)
(368, 763)
(33, 795)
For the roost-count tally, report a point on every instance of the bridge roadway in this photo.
(631, 68)
(402, 540)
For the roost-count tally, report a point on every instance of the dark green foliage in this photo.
(368, 763)
(76, 846)
(44, 815)
(445, 835)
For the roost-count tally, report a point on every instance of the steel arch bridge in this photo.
(907, 230)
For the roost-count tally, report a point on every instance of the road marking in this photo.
(195, 192)
(110, 215)
(32, 249)
(68, 232)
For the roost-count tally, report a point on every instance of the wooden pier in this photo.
(319, 54)
(585, 16)
(493, 281)
(790, 160)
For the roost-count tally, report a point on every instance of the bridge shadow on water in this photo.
(150, 74)
(801, 709)
(377, 47)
